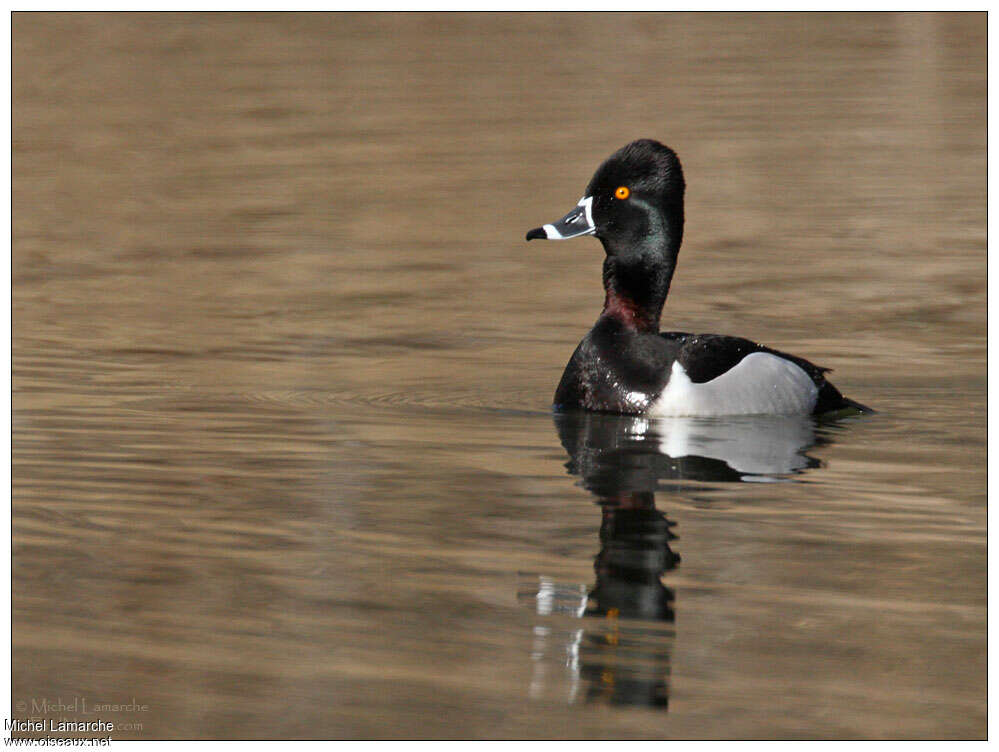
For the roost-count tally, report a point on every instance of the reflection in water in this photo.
(621, 653)
(615, 454)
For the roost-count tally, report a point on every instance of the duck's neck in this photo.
(639, 267)
(636, 287)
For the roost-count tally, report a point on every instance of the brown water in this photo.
(284, 464)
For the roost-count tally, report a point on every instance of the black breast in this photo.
(615, 369)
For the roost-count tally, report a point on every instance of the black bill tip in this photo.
(537, 232)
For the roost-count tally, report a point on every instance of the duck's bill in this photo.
(577, 222)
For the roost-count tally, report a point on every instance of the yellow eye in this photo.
(622, 193)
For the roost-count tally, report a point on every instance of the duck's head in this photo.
(633, 204)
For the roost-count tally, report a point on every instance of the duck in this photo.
(634, 206)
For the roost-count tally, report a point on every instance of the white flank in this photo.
(760, 384)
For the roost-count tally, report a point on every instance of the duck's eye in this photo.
(622, 193)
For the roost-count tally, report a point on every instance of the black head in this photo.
(633, 204)
(638, 199)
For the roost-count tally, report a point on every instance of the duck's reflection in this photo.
(612, 641)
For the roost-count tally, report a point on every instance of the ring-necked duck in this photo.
(634, 206)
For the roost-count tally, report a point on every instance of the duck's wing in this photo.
(706, 357)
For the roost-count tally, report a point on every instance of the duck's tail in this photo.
(853, 405)
(832, 403)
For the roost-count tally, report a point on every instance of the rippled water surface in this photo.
(284, 464)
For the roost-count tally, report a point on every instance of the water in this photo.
(284, 464)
